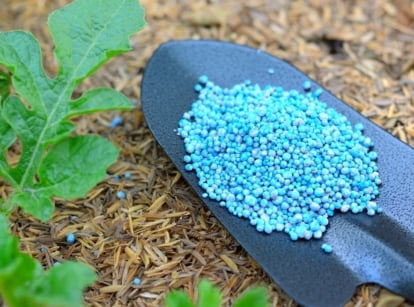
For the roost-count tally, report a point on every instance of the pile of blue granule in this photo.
(280, 158)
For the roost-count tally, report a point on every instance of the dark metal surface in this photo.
(376, 249)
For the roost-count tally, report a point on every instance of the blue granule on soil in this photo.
(280, 158)
(116, 121)
(70, 238)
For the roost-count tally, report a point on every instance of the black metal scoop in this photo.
(377, 249)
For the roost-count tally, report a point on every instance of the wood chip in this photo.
(230, 263)
(111, 289)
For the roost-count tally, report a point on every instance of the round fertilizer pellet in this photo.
(203, 80)
(70, 238)
(317, 92)
(121, 194)
(307, 85)
(116, 121)
(136, 281)
(281, 159)
(327, 248)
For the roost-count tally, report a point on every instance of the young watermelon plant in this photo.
(53, 161)
(23, 282)
(209, 296)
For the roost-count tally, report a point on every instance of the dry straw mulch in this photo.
(362, 51)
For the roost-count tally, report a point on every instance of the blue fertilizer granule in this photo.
(327, 248)
(70, 238)
(279, 158)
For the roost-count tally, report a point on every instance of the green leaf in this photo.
(178, 299)
(16, 279)
(29, 127)
(4, 86)
(87, 33)
(37, 203)
(6, 140)
(27, 124)
(60, 288)
(255, 297)
(7, 136)
(59, 132)
(74, 177)
(208, 296)
(8, 244)
(20, 53)
(24, 283)
(85, 37)
(100, 99)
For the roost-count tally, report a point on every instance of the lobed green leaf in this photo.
(5, 82)
(74, 178)
(59, 288)
(85, 37)
(34, 202)
(100, 99)
(23, 282)
(6, 140)
(255, 297)
(28, 126)
(208, 296)
(20, 53)
(86, 33)
(178, 299)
